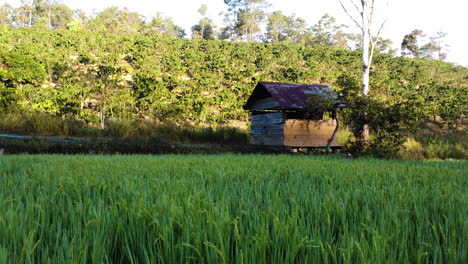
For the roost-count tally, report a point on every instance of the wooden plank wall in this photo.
(267, 129)
(308, 133)
(267, 140)
(263, 104)
(273, 129)
(267, 116)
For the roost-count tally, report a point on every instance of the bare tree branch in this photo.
(357, 8)
(371, 13)
(381, 27)
(375, 38)
(352, 18)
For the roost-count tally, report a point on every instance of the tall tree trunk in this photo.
(30, 17)
(103, 110)
(366, 60)
(335, 132)
(365, 48)
(366, 12)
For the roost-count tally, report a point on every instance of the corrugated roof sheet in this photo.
(290, 96)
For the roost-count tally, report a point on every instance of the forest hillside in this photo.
(83, 75)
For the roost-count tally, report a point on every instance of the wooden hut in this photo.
(281, 116)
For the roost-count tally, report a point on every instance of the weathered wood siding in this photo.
(308, 133)
(272, 115)
(273, 129)
(267, 129)
(267, 103)
(267, 140)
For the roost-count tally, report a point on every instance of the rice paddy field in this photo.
(231, 209)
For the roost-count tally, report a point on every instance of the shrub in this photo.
(387, 122)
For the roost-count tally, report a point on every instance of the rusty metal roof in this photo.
(289, 96)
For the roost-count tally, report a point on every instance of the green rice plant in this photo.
(231, 209)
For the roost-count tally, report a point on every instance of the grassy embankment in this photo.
(231, 209)
(147, 137)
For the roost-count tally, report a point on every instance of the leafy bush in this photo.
(387, 122)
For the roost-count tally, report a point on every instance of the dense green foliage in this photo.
(389, 123)
(96, 76)
(231, 209)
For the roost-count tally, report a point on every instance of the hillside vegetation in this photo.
(83, 75)
(83, 83)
